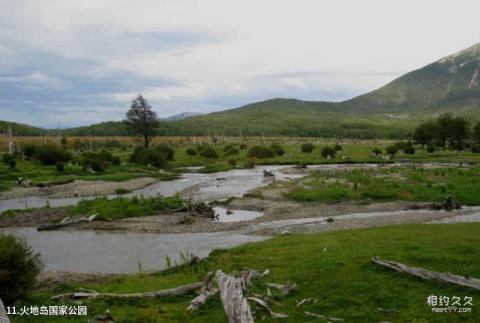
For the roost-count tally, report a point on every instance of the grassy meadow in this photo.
(334, 268)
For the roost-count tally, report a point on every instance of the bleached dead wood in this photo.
(181, 290)
(327, 318)
(285, 289)
(430, 275)
(232, 295)
(264, 304)
(3, 315)
(66, 222)
(206, 292)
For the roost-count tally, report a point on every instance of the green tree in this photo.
(452, 131)
(426, 133)
(476, 133)
(142, 118)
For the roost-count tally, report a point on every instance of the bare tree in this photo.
(142, 118)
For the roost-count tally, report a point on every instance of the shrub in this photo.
(208, 152)
(19, 267)
(29, 150)
(307, 148)
(338, 147)
(409, 149)
(328, 151)
(151, 157)
(243, 146)
(277, 149)
(191, 151)
(391, 150)
(60, 166)
(230, 150)
(122, 190)
(232, 162)
(167, 151)
(250, 163)
(476, 148)
(431, 148)
(377, 151)
(9, 160)
(51, 155)
(260, 152)
(99, 161)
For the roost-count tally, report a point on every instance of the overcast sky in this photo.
(65, 62)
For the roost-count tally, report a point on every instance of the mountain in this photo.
(182, 116)
(392, 111)
(450, 84)
(20, 129)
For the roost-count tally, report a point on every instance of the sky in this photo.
(67, 63)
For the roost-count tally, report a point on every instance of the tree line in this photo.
(449, 132)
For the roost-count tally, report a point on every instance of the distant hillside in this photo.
(182, 116)
(392, 111)
(19, 129)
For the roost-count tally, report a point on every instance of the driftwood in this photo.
(3, 315)
(232, 295)
(181, 290)
(66, 222)
(430, 275)
(55, 183)
(206, 292)
(264, 304)
(285, 289)
(327, 318)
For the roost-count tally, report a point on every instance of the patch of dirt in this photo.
(77, 188)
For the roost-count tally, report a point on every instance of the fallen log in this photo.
(55, 183)
(232, 295)
(264, 304)
(181, 290)
(66, 222)
(430, 275)
(285, 289)
(3, 315)
(206, 292)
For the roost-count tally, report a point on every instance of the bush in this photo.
(208, 152)
(391, 150)
(338, 147)
(307, 148)
(60, 167)
(476, 148)
(260, 152)
(328, 151)
(409, 149)
(9, 160)
(232, 162)
(191, 151)
(230, 150)
(51, 155)
(151, 157)
(377, 151)
(167, 151)
(431, 148)
(19, 267)
(29, 151)
(277, 149)
(99, 161)
(243, 146)
(121, 190)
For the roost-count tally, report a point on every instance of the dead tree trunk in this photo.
(181, 290)
(206, 292)
(3, 315)
(232, 295)
(66, 222)
(430, 275)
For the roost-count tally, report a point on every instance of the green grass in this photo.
(333, 267)
(121, 207)
(410, 184)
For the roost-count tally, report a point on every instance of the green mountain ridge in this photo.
(392, 111)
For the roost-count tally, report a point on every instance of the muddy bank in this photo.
(78, 188)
